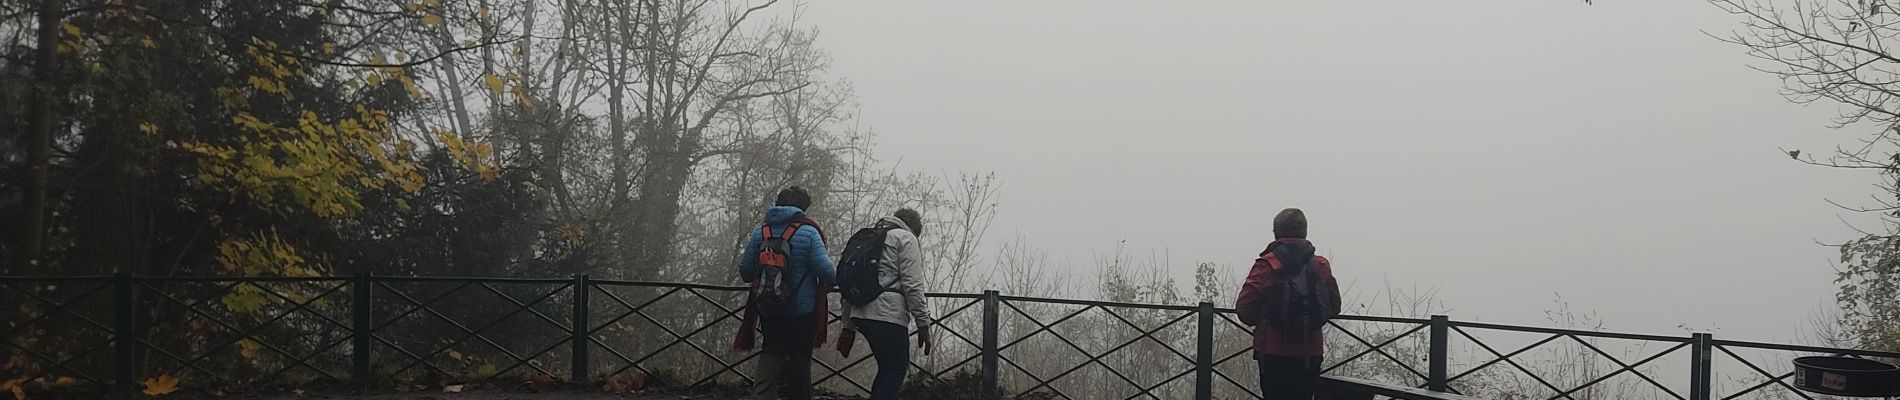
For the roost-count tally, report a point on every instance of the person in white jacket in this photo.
(886, 320)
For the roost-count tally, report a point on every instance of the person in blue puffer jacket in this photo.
(790, 336)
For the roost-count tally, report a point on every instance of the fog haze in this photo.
(1502, 152)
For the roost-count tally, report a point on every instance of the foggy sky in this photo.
(1503, 152)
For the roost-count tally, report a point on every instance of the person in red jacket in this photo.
(1287, 298)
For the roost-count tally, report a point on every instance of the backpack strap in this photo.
(765, 232)
(791, 230)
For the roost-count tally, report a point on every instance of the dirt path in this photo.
(501, 395)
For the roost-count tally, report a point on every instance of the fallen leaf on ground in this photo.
(627, 382)
(13, 386)
(164, 384)
(452, 389)
(541, 382)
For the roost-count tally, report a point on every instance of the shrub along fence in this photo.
(220, 332)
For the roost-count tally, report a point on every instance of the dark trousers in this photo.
(890, 346)
(785, 360)
(1288, 378)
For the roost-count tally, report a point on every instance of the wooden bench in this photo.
(1343, 388)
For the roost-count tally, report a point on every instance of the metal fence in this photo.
(264, 332)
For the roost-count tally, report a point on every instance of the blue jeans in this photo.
(890, 346)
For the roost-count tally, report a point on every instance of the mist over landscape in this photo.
(474, 176)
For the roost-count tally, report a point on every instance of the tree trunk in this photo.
(524, 139)
(39, 136)
(111, 214)
(488, 57)
(617, 128)
(463, 126)
(656, 217)
(618, 64)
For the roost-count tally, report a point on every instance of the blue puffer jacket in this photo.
(808, 257)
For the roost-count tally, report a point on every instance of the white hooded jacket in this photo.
(902, 302)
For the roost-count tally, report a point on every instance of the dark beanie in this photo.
(1291, 223)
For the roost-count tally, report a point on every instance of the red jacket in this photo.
(1248, 306)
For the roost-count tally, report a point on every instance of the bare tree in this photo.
(1021, 269)
(1840, 52)
(964, 215)
(692, 79)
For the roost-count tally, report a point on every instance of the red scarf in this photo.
(748, 325)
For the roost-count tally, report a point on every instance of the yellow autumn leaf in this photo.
(329, 48)
(65, 381)
(432, 20)
(162, 385)
(71, 29)
(13, 386)
(494, 83)
(415, 91)
(149, 43)
(572, 233)
(148, 128)
(489, 174)
(410, 183)
(455, 354)
(250, 348)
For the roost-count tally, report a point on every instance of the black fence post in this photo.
(581, 322)
(1700, 367)
(1440, 355)
(1204, 354)
(991, 388)
(125, 331)
(362, 326)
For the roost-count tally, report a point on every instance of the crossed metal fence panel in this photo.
(1778, 384)
(437, 330)
(248, 331)
(211, 330)
(1583, 381)
(73, 308)
(1354, 348)
(637, 339)
(1150, 349)
(962, 351)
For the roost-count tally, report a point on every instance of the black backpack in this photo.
(1293, 307)
(858, 266)
(773, 289)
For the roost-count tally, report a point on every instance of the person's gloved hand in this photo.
(923, 339)
(846, 338)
